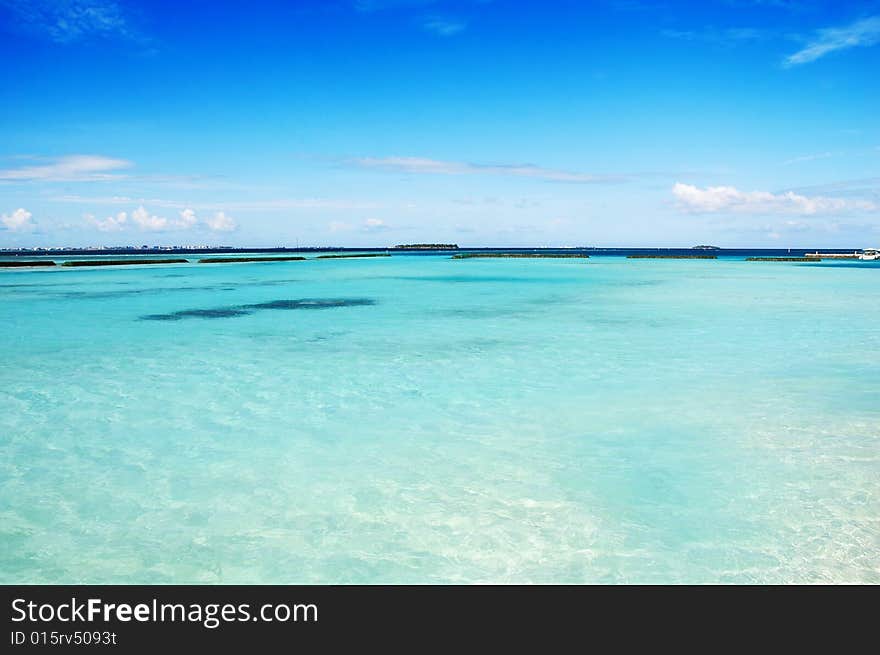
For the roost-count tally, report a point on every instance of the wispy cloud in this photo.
(805, 231)
(436, 24)
(72, 168)
(17, 221)
(66, 21)
(711, 34)
(864, 32)
(369, 225)
(381, 5)
(793, 5)
(636, 5)
(420, 165)
(282, 204)
(727, 199)
(866, 187)
(443, 26)
(806, 158)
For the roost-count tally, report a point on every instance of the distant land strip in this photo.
(672, 256)
(518, 255)
(366, 254)
(19, 264)
(124, 262)
(426, 246)
(226, 260)
(783, 259)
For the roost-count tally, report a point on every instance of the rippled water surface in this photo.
(422, 419)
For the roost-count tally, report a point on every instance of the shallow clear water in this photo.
(422, 419)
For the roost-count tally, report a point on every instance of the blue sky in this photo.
(480, 122)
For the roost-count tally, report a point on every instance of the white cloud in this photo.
(420, 165)
(109, 224)
(443, 26)
(17, 221)
(375, 225)
(142, 219)
(220, 222)
(187, 218)
(731, 200)
(147, 221)
(72, 168)
(864, 32)
(282, 204)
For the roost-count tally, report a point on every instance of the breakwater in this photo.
(832, 255)
(123, 262)
(23, 264)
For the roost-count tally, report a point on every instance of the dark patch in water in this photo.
(244, 310)
(196, 313)
(313, 303)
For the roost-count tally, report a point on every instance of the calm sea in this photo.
(423, 419)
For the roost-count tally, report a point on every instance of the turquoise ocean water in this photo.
(421, 419)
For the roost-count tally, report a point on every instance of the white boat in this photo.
(870, 254)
